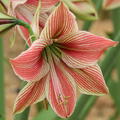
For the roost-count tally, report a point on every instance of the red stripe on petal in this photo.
(24, 31)
(15, 3)
(62, 93)
(80, 59)
(45, 3)
(60, 22)
(30, 65)
(32, 2)
(83, 49)
(30, 94)
(89, 80)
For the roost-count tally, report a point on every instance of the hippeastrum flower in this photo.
(60, 61)
(111, 4)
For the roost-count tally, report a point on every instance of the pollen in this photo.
(63, 100)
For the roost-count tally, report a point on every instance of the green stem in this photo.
(116, 20)
(26, 25)
(2, 104)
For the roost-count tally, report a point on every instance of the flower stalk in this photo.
(26, 25)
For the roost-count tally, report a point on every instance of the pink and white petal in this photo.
(24, 34)
(61, 91)
(83, 41)
(30, 65)
(60, 22)
(45, 3)
(49, 3)
(32, 2)
(111, 4)
(89, 80)
(83, 49)
(26, 15)
(15, 3)
(32, 93)
(81, 59)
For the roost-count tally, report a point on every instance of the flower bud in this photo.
(6, 22)
(82, 9)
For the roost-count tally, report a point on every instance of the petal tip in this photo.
(115, 43)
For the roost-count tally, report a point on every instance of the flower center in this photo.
(52, 48)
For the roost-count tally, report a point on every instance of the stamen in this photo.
(64, 101)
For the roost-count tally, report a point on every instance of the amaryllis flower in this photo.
(60, 61)
(111, 4)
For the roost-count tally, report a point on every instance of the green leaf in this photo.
(6, 22)
(46, 115)
(2, 99)
(6, 27)
(5, 2)
(5, 16)
(115, 93)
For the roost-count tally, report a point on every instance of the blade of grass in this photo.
(2, 104)
(115, 88)
(116, 20)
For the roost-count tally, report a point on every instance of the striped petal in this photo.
(89, 80)
(15, 3)
(22, 30)
(83, 49)
(61, 90)
(25, 13)
(30, 65)
(60, 22)
(32, 93)
(111, 4)
(45, 3)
